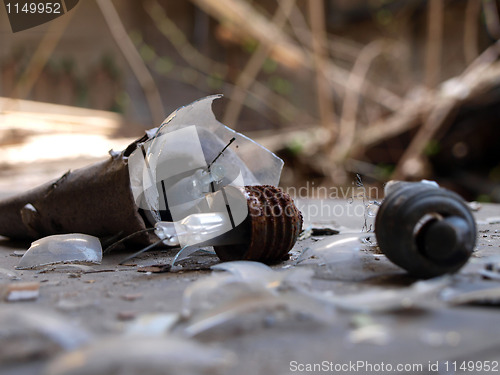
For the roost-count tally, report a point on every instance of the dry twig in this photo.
(253, 67)
(356, 81)
(472, 12)
(319, 47)
(434, 43)
(134, 59)
(284, 49)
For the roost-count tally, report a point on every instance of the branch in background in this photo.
(284, 49)
(481, 76)
(339, 47)
(246, 19)
(478, 78)
(410, 163)
(491, 15)
(134, 60)
(259, 92)
(42, 54)
(176, 36)
(356, 81)
(434, 43)
(472, 12)
(319, 48)
(249, 73)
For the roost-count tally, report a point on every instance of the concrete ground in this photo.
(351, 311)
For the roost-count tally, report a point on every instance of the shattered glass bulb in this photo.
(193, 229)
(195, 186)
(202, 179)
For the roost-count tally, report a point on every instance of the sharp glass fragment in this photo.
(427, 230)
(249, 296)
(6, 274)
(65, 248)
(143, 355)
(346, 256)
(384, 300)
(476, 293)
(238, 277)
(152, 325)
(27, 334)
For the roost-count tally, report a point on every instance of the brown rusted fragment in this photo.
(95, 200)
(273, 224)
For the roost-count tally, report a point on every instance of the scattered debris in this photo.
(384, 300)
(249, 296)
(18, 253)
(475, 206)
(132, 297)
(306, 233)
(69, 267)
(346, 256)
(366, 330)
(126, 315)
(15, 292)
(493, 220)
(440, 338)
(27, 334)
(476, 293)
(143, 355)
(156, 268)
(8, 274)
(324, 231)
(63, 248)
(72, 305)
(151, 325)
(491, 271)
(240, 277)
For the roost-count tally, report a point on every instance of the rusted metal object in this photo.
(94, 200)
(271, 228)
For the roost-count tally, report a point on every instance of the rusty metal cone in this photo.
(95, 200)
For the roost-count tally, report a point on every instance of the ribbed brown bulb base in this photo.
(273, 225)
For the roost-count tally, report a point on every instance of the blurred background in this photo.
(405, 89)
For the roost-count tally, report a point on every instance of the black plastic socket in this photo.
(427, 230)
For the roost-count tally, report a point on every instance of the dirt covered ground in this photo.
(349, 311)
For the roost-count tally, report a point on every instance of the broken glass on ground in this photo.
(28, 334)
(239, 278)
(366, 330)
(347, 257)
(479, 292)
(6, 274)
(249, 296)
(378, 300)
(152, 324)
(143, 355)
(63, 248)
